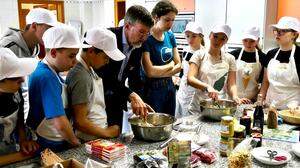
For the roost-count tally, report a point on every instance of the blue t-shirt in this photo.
(161, 52)
(45, 96)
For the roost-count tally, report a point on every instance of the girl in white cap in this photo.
(194, 36)
(213, 72)
(281, 79)
(250, 61)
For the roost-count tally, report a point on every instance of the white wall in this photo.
(9, 16)
(236, 13)
(148, 4)
(90, 12)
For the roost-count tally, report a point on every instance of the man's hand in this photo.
(138, 106)
(28, 147)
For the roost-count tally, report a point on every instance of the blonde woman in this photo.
(250, 62)
(194, 36)
(213, 72)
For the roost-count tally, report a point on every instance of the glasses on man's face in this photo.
(141, 32)
(219, 37)
(281, 31)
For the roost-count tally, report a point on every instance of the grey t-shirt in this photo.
(79, 85)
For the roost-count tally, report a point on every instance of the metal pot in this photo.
(217, 109)
(159, 127)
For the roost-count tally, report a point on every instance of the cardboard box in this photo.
(70, 163)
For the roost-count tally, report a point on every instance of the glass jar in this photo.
(226, 146)
(227, 127)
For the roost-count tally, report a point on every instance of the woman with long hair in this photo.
(195, 38)
(161, 60)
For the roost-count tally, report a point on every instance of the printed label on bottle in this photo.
(224, 129)
(223, 147)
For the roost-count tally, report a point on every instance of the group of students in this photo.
(243, 73)
(90, 102)
(65, 110)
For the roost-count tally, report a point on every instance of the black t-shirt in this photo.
(10, 102)
(284, 57)
(249, 57)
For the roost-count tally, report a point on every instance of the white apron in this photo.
(284, 85)
(96, 106)
(210, 73)
(185, 92)
(10, 122)
(247, 84)
(46, 128)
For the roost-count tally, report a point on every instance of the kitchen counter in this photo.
(207, 127)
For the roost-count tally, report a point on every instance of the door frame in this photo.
(58, 3)
(116, 10)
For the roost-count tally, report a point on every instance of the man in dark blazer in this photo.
(130, 37)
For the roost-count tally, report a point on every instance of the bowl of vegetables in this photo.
(215, 109)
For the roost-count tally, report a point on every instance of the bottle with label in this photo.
(245, 120)
(258, 116)
(272, 122)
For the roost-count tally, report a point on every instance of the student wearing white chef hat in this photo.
(85, 87)
(26, 43)
(195, 38)
(281, 79)
(213, 72)
(250, 62)
(12, 73)
(48, 92)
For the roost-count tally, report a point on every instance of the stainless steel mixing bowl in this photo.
(217, 109)
(158, 127)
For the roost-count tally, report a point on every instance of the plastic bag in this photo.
(94, 164)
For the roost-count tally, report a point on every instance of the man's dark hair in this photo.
(137, 13)
(162, 8)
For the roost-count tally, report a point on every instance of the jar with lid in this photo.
(227, 126)
(226, 146)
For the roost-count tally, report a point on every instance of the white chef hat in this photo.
(105, 40)
(222, 29)
(251, 33)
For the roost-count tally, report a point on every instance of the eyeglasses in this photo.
(219, 37)
(282, 31)
(141, 32)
